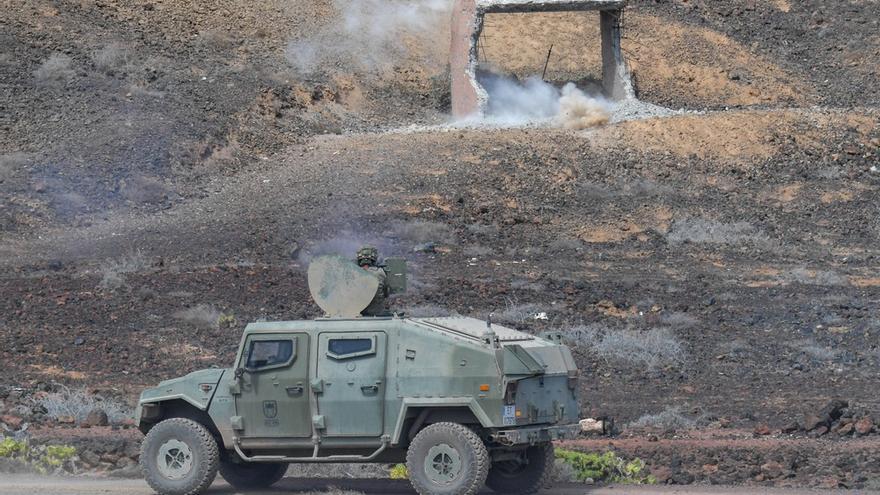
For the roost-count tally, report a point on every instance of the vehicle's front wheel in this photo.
(447, 459)
(179, 457)
(524, 476)
(249, 476)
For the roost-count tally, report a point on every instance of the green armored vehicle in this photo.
(462, 401)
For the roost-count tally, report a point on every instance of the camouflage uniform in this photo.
(366, 259)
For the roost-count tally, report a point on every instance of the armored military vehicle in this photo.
(463, 402)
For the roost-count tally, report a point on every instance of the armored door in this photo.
(350, 384)
(272, 400)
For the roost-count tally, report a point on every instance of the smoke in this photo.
(373, 35)
(514, 103)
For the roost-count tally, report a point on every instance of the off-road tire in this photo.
(204, 457)
(473, 460)
(530, 478)
(249, 476)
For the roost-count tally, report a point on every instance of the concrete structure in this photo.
(469, 97)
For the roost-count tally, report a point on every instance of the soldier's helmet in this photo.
(367, 255)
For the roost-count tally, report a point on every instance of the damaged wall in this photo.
(470, 98)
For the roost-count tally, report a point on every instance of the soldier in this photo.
(367, 258)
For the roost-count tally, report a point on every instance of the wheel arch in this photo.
(180, 407)
(415, 414)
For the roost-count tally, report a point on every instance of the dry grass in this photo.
(678, 319)
(55, 70)
(421, 231)
(477, 251)
(814, 277)
(707, 231)
(79, 403)
(11, 164)
(668, 420)
(643, 349)
(515, 313)
(113, 271)
(201, 315)
(143, 189)
(816, 352)
(112, 57)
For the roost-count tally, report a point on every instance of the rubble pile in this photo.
(838, 418)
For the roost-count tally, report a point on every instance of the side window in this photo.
(349, 348)
(269, 353)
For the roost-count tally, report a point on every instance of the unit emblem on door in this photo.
(270, 408)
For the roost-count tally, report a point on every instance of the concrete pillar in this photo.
(615, 75)
(463, 59)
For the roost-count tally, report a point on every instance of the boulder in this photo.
(96, 417)
(13, 422)
(662, 474)
(90, 458)
(833, 410)
(813, 421)
(864, 426)
(818, 432)
(762, 430)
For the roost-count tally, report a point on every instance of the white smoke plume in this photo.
(372, 35)
(512, 103)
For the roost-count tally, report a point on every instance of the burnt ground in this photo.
(746, 239)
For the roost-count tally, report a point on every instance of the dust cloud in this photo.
(369, 36)
(533, 101)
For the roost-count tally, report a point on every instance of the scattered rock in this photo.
(428, 247)
(791, 427)
(845, 429)
(818, 432)
(13, 422)
(662, 474)
(762, 430)
(772, 469)
(66, 420)
(90, 458)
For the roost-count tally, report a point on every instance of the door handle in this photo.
(297, 390)
(370, 389)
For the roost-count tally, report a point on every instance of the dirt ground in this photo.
(163, 163)
(83, 486)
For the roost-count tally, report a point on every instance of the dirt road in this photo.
(14, 485)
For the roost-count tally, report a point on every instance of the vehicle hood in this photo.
(188, 388)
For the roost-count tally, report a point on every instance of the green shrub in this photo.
(12, 448)
(57, 455)
(605, 467)
(399, 472)
(42, 458)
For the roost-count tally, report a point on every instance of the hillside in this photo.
(163, 163)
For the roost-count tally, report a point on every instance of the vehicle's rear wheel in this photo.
(247, 476)
(179, 457)
(447, 459)
(525, 476)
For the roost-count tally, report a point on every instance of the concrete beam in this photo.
(616, 80)
(499, 6)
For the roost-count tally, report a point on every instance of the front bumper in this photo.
(536, 434)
